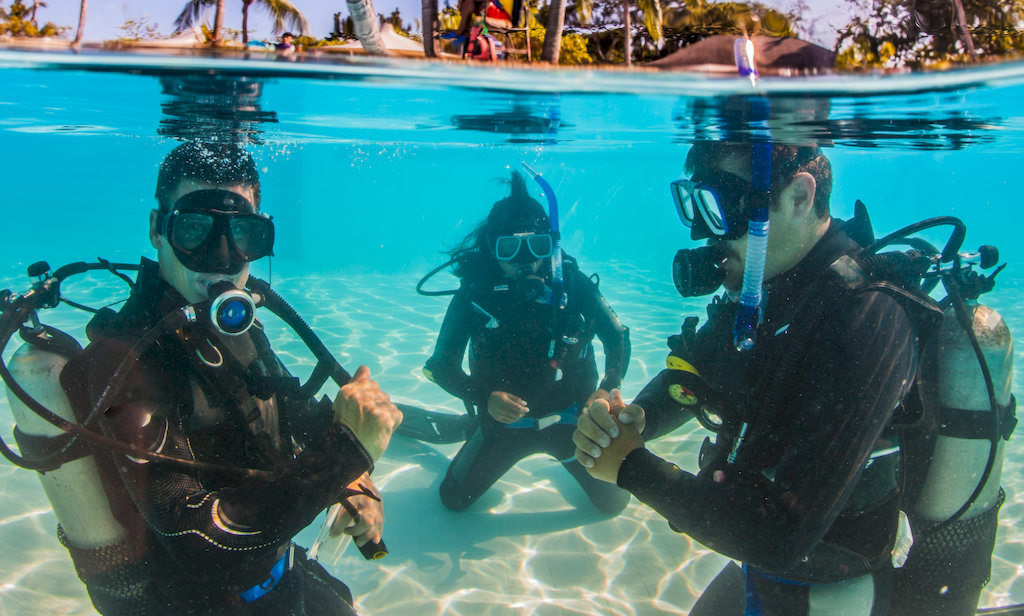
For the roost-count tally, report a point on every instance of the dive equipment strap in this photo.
(282, 566)
(567, 415)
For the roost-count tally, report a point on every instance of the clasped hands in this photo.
(607, 431)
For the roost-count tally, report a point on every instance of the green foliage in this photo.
(695, 20)
(140, 29)
(19, 20)
(573, 51)
(890, 36)
(283, 13)
(395, 19)
(683, 22)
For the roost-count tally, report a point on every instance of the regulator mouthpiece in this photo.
(232, 311)
(698, 271)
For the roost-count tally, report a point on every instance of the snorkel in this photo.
(748, 314)
(558, 296)
(749, 311)
(556, 254)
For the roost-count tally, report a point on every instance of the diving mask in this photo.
(199, 221)
(510, 247)
(716, 207)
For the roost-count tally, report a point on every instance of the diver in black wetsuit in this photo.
(206, 541)
(801, 483)
(531, 362)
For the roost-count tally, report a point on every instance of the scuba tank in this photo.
(953, 383)
(73, 486)
(52, 440)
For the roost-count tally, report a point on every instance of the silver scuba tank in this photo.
(954, 383)
(75, 490)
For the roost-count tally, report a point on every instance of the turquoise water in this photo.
(371, 169)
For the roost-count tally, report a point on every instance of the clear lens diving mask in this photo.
(716, 208)
(510, 247)
(216, 231)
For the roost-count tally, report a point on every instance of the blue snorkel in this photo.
(556, 254)
(558, 296)
(748, 314)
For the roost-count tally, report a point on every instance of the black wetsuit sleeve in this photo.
(661, 414)
(614, 336)
(445, 365)
(859, 367)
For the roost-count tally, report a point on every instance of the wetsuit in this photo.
(811, 497)
(200, 542)
(509, 327)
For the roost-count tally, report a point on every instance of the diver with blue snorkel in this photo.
(833, 383)
(528, 316)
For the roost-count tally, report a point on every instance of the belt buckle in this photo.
(283, 565)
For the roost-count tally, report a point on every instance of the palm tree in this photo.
(653, 18)
(284, 13)
(81, 24)
(35, 6)
(218, 23)
(430, 28)
(556, 23)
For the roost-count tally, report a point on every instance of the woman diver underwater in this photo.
(528, 316)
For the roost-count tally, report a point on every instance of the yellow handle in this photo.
(678, 363)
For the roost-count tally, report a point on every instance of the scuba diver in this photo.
(830, 390)
(181, 457)
(528, 315)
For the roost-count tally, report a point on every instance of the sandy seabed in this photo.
(532, 545)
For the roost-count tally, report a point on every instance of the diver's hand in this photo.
(633, 415)
(368, 412)
(603, 442)
(595, 429)
(600, 394)
(606, 466)
(597, 426)
(505, 407)
(367, 524)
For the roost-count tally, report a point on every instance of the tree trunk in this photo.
(430, 28)
(553, 37)
(961, 29)
(245, 21)
(628, 44)
(367, 24)
(218, 22)
(81, 24)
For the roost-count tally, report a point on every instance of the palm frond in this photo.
(285, 14)
(192, 14)
(653, 17)
(585, 11)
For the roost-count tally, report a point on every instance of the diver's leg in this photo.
(606, 497)
(724, 596)
(482, 460)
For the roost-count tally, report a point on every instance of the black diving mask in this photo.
(716, 206)
(216, 231)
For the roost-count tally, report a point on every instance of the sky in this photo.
(105, 16)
